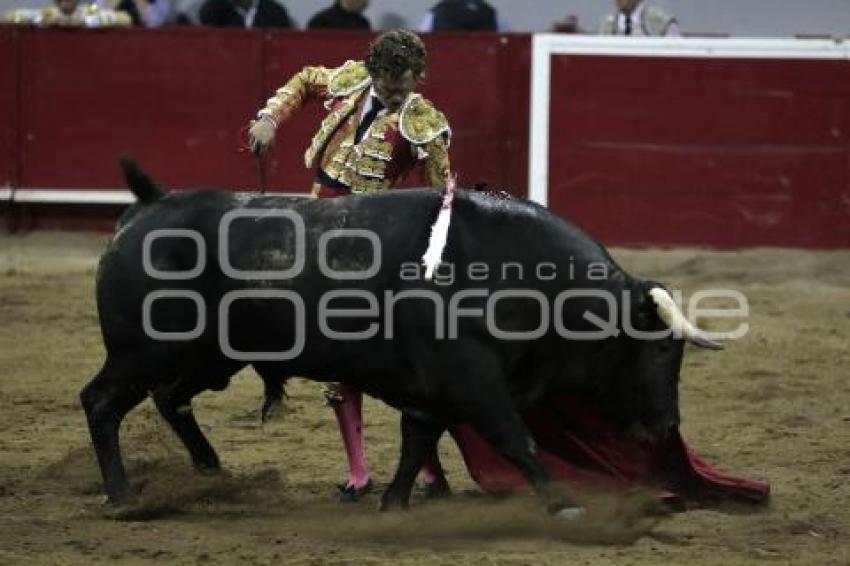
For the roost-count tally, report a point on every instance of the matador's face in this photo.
(393, 91)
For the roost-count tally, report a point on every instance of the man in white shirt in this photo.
(636, 18)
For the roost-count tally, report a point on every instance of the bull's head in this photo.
(650, 384)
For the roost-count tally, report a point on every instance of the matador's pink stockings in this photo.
(349, 416)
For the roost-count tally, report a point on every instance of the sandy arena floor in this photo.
(775, 405)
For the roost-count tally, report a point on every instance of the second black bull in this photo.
(194, 286)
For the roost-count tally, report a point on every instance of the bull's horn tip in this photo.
(704, 342)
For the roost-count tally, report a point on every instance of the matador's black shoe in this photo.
(351, 494)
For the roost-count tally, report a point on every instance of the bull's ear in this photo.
(643, 307)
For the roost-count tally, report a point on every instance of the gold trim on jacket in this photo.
(420, 122)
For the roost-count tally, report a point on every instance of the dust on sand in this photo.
(774, 405)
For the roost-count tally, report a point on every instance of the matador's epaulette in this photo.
(349, 78)
(420, 122)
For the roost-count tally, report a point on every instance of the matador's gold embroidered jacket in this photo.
(416, 135)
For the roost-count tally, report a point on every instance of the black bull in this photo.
(476, 347)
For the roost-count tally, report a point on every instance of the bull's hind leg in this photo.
(107, 398)
(419, 437)
(174, 401)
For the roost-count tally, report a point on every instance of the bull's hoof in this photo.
(269, 409)
(391, 501)
(208, 469)
(122, 512)
(566, 511)
(116, 496)
(352, 494)
(124, 509)
(207, 464)
(570, 514)
(438, 489)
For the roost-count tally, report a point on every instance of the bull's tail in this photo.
(140, 183)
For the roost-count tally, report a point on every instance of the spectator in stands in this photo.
(244, 13)
(635, 17)
(69, 13)
(568, 25)
(147, 13)
(344, 14)
(461, 15)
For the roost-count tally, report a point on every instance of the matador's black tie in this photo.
(368, 118)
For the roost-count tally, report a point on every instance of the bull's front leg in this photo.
(495, 419)
(419, 437)
(477, 394)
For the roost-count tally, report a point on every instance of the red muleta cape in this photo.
(581, 448)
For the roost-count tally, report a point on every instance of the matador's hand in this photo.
(261, 134)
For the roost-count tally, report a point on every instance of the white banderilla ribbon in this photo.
(440, 230)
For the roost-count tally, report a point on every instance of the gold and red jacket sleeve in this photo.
(310, 82)
(434, 163)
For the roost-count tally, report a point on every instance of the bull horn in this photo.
(672, 316)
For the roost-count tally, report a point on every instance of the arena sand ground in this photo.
(775, 405)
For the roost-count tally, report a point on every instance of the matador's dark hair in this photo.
(394, 52)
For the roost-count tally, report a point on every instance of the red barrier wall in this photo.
(702, 151)
(175, 99)
(8, 106)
